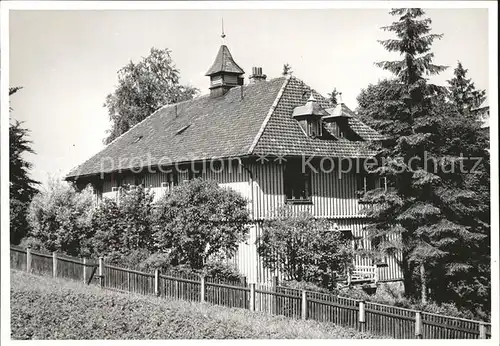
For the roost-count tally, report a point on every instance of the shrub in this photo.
(218, 270)
(19, 226)
(222, 271)
(388, 297)
(131, 259)
(303, 285)
(303, 248)
(124, 226)
(33, 243)
(199, 219)
(60, 218)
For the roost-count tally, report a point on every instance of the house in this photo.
(483, 114)
(275, 141)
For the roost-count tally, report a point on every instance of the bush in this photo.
(388, 297)
(124, 227)
(303, 285)
(19, 226)
(217, 270)
(60, 218)
(199, 219)
(33, 243)
(222, 271)
(133, 259)
(304, 248)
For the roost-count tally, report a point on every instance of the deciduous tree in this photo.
(60, 218)
(143, 88)
(122, 227)
(303, 248)
(198, 220)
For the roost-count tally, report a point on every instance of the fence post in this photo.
(84, 270)
(362, 316)
(101, 272)
(304, 304)
(202, 287)
(418, 324)
(128, 282)
(376, 273)
(28, 259)
(157, 282)
(54, 264)
(274, 299)
(348, 277)
(252, 297)
(482, 330)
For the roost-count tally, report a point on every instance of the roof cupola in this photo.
(224, 73)
(309, 117)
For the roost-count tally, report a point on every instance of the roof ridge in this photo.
(269, 114)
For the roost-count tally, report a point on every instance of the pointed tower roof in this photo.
(224, 63)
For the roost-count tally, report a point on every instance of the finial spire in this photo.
(340, 98)
(223, 35)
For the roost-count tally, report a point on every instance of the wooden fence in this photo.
(378, 319)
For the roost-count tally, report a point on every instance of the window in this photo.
(314, 128)
(139, 179)
(171, 181)
(297, 184)
(382, 183)
(364, 183)
(194, 172)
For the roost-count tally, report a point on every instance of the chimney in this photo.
(257, 75)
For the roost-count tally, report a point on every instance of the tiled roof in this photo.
(224, 126)
(224, 63)
(260, 123)
(283, 135)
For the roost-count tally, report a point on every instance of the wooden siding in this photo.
(333, 194)
(333, 198)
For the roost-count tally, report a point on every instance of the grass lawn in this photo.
(46, 308)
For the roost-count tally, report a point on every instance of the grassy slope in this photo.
(45, 308)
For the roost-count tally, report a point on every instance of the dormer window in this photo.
(337, 122)
(314, 129)
(309, 117)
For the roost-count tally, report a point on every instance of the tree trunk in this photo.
(423, 283)
(407, 276)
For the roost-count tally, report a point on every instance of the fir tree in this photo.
(21, 187)
(287, 69)
(333, 96)
(424, 211)
(463, 92)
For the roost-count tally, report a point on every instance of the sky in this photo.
(66, 61)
